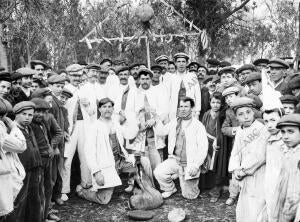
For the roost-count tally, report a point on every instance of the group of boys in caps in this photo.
(208, 125)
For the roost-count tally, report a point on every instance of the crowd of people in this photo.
(211, 126)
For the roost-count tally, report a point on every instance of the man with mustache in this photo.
(187, 149)
(79, 119)
(22, 93)
(183, 84)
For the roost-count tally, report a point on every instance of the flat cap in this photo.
(253, 77)
(24, 105)
(240, 102)
(66, 93)
(213, 62)
(5, 76)
(289, 120)
(40, 103)
(157, 67)
(181, 55)
(245, 67)
(207, 79)
(105, 60)
(56, 79)
(74, 68)
(25, 71)
(39, 62)
(134, 65)
(15, 76)
(93, 66)
(278, 63)
(41, 93)
(225, 63)
(161, 58)
(193, 63)
(289, 99)
(227, 69)
(260, 61)
(145, 71)
(121, 69)
(294, 83)
(230, 90)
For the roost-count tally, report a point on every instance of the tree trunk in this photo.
(3, 52)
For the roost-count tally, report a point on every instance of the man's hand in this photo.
(215, 145)
(239, 175)
(193, 171)
(99, 178)
(150, 123)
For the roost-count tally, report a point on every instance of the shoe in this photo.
(129, 189)
(167, 194)
(53, 217)
(59, 202)
(64, 197)
(230, 201)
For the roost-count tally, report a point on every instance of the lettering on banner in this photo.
(251, 137)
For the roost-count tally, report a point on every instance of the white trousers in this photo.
(77, 140)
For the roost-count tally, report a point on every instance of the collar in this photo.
(278, 83)
(275, 137)
(19, 126)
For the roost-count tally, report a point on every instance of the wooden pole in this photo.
(148, 52)
(296, 64)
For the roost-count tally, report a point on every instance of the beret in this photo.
(74, 68)
(294, 83)
(25, 71)
(289, 120)
(105, 60)
(145, 71)
(289, 99)
(278, 63)
(216, 79)
(141, 215)
(230, 90)
(39, 62)
(161, 58)
(157, 67)
(56, 79)
(5, 76)
(93, 66)
(104, 101)
(66, 93)
(193, 63)
(207, 79)
(41, 92)
(24, 105)
(240, 102)
(260, 61)
(181, 55)
(225, 63)
(227, 69)
(134, 65)
(3, 107)
(213, 61)
(121, 69)
(245, 67)
(253, 77)
(40, 103)
(2, 68)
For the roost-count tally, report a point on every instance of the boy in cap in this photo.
(29, 202)
(5, 84)
(278, 69)
(253, 82)
(288, 189)
(247, 160)
(244, 71)
(289, 103)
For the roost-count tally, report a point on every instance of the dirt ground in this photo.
(79, 210)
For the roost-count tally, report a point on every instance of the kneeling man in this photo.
(187, 150)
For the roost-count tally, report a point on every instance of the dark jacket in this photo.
(42, 138)
(17, 95)
(205, 102)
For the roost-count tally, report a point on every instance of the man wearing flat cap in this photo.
(253, 81)
(40, 67)
(30, 198)
(106, 64)
(23, 93)
(244, 71)
(213, 65)
(278, 69)
(183, 84)
(261, 63)
(289, 103)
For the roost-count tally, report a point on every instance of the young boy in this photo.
(247, 160)
(274, 160)
(289, 103)
(288, 183)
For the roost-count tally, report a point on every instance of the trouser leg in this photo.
(189, 188)
(57, 165)
(165, 173)
(233, 188)
(102, 196)
(48, 184)
(152, 153)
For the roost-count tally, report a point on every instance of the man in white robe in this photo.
(184, 83)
